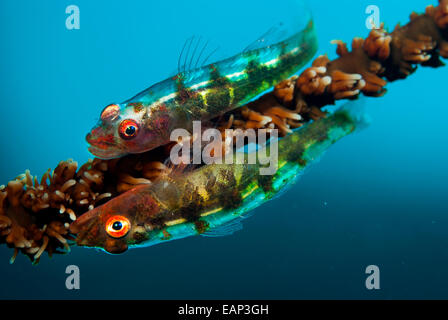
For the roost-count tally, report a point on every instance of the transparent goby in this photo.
(146, 121)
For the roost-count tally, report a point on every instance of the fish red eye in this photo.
(110, 112)
(117, 226)
(128, 129)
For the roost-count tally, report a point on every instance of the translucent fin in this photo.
(225, 230)
(230, 227)
(356, 109)
(176, 170)
(195, 53)
(274, 35)
(287, 187)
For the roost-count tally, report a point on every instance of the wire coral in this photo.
(35, 215)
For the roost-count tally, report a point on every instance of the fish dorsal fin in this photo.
(225, 230)
(179, 169)
(195, 53)
(274, 35)
(176, 170)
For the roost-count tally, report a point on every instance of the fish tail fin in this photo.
(356, 110)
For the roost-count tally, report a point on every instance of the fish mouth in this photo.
(86, 229)
(83, 223)
(103, 147)
(105, 154)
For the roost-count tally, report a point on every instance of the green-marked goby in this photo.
(145, 121)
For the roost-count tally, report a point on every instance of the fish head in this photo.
(124, 129)
(122, 222)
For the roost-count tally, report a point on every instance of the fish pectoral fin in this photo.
(224, 230)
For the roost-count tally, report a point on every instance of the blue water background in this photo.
(378, 197)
